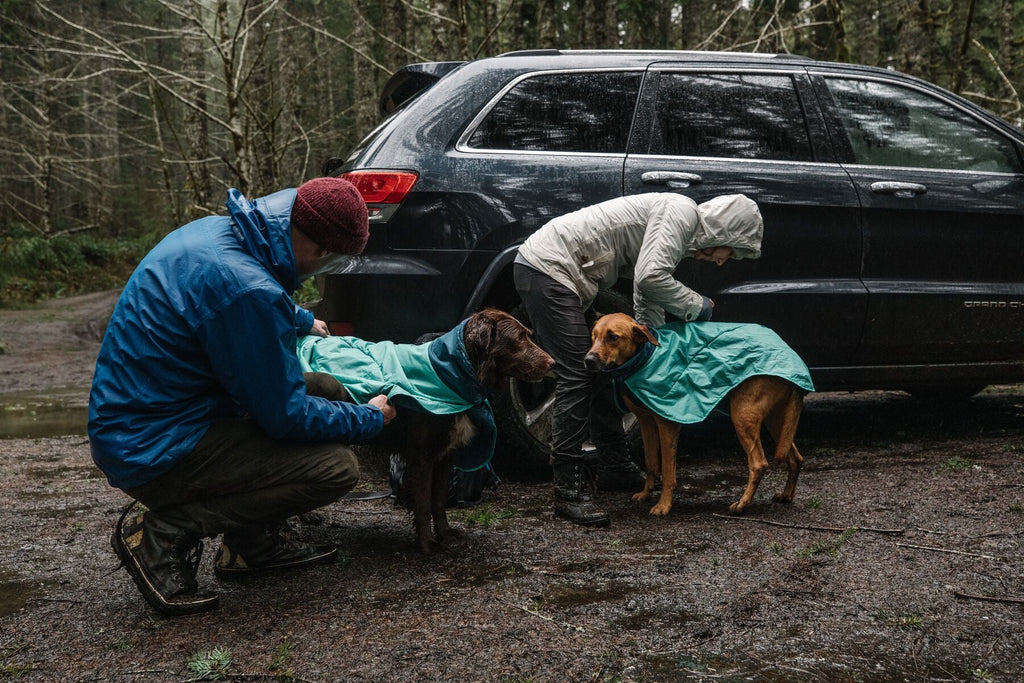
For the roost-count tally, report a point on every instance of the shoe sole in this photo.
(149, 592)
(324, 557)
(598, 523)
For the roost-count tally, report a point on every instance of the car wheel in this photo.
(523, 412)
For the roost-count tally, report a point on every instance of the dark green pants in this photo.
(237, 476)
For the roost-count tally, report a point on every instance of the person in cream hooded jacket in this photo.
(558, 273)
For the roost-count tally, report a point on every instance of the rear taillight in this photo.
(340, 329)
(382, 187)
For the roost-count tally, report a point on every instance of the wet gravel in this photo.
(900, 559)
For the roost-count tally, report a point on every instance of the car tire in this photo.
(523, 412)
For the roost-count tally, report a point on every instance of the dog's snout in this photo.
(592, 362)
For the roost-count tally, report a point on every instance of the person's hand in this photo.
(381, 402)
(706, 309)
(319, 328)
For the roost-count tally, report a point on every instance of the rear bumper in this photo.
(396, 297)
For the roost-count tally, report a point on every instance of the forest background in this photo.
(122, 119)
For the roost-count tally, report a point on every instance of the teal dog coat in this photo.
(698, 363)
(435, 377)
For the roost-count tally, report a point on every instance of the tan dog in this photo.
(761, 399)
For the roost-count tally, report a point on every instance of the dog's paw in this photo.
(451, 536)
(660, 510)
(782, 498)
(642, 495)
(737, 507)
(430, 547)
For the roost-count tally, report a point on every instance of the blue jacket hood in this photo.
(263, 228)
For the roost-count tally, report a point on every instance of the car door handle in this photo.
(901, 190)
(677, 180)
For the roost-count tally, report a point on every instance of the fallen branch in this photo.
(1001, 533)
(968, 596)
(946, 550)
(544, 617)
(808, 527)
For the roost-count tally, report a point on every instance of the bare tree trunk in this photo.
(198, 184)
(663, 23)
(7, 160)
(97, 174)
(965, 42)
(263, 114)
(363, 76)
(240, 163)
(46, 180)
(915, 39)
(292, 142)
(1007, 49)
(395, 23)
(611, 24)
(842, 53)
(547, 24)
(492, 17)
(439, 26)
(178, 215)
(463, 27)
(524, 34)
(594, 24)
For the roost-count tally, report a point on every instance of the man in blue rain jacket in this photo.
(198, 408)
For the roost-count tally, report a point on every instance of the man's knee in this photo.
(326, 386)
(340, 470)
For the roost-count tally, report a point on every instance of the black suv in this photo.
(893, 252)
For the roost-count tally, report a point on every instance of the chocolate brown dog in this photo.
(498, 347)
(760, 399)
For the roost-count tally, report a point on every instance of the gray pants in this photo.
(584, 405)
(237, 476)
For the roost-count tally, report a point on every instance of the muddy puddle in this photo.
(16, 593)
(32, 415)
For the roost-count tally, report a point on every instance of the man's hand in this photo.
(381, 402)
(319, 328)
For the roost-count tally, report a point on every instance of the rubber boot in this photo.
(261, 548)
(162, 560)
(574, 494)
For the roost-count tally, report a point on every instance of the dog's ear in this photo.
(642, 334)
(479, 337)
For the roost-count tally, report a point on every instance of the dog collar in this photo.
(630, 367)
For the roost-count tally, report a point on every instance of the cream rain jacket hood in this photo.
(644, 237)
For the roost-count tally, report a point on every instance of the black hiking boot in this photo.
(574, 499)
(162, 560)
(251, 550)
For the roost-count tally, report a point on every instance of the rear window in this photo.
(740, 116)
(569, 112)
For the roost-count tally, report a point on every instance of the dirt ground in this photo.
(900, 560)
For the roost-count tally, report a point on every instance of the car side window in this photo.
(568, 112)
(744, 116)
(891, 125)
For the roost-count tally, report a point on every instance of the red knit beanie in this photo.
(332, 213)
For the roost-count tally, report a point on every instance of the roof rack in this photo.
(677, 53)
